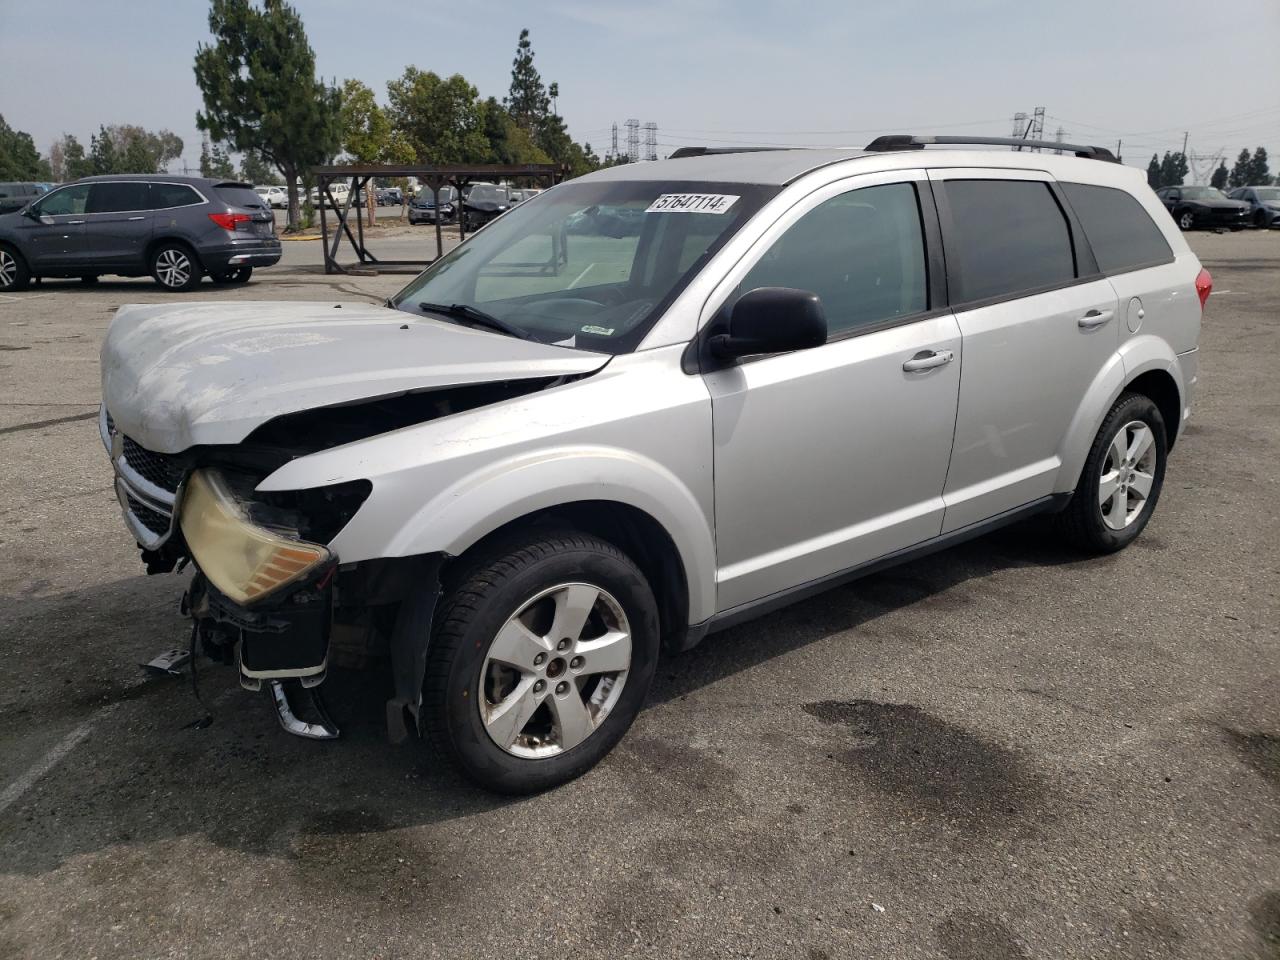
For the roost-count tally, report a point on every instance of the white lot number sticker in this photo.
(692, 203)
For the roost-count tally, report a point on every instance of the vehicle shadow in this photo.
(144, 773)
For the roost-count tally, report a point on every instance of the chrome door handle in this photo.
(927, 360)
(1095, 318)
(74, 222)
(137, 218)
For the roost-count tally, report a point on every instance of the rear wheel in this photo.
(541, 659)
(1122, 478)
(1260, 219)
(234, 275)
(1186, 220)
(89, 279)
(175, 267)
(14, 274)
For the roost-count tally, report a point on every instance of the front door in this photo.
(831, 457)
(53, 238)
(118, 224)
(1039, 323)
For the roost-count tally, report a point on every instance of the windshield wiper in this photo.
(463, 311)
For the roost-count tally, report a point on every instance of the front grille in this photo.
(153, 520)
(161, 469)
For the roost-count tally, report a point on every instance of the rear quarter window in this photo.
(166, 195)
(1120, 231)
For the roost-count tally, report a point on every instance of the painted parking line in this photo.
(15, 790)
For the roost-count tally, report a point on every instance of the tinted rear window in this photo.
(165, 195)
(117, 197)
(1008, 237)
(240, 197)
(1122, 234)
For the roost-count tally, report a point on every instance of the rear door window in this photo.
(1007, 238)
(117, 197)
(1123, 236)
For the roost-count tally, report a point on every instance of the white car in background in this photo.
(276, 197)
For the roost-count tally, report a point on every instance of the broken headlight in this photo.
(244, 560)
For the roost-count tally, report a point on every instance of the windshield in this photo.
(1202, 193)
(589, 265)
(1268, 194)
(486, 191)
(425, 195)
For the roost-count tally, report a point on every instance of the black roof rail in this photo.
(680, 152)
(906, 141)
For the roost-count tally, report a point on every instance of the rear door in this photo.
(118, 224)
(1038, 322)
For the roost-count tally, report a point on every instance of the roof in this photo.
(774, 167)
(780, 167)
(163, 178)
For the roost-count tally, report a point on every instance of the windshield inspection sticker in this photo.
(692, 203)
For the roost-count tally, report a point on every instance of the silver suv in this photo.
(641, 407)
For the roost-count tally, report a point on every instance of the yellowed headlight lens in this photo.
(244, 561)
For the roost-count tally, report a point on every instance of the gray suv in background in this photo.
(176, 229)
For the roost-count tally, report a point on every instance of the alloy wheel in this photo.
(173, 267)
(1186, 221)
(8, 270)
(1128, 474)
(555, 670)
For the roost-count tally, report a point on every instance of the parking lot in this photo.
(1001, 752)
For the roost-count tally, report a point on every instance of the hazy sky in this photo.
(711, 71)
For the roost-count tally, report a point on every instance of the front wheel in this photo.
(541, 659)
(13, 271)
(1122, 478)
(1186, 220)
(174, 267)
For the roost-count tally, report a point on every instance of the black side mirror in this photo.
(772, 320)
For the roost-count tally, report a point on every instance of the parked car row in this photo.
(1194, 207)
(177, 229)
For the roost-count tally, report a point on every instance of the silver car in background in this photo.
(643, 406)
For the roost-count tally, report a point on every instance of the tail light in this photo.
(228, 221)
(1204, 286)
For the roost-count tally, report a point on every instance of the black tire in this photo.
(1260, 220)
(14, 274)
(1082, 523)
(235, 275)
(477, 604)
(89, 279)
(168, 270)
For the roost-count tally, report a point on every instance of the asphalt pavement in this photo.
(1002, 752)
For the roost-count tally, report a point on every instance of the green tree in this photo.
(508, 141)
(1173, 169)
(1259, 171)
(1219, 178)
(102, 153)
(527, 100)
(442, 120)
(260, 91)
(253, 169)
(215, 161)
(1153, 173)
(1242, 170)
(74, 162)
(19, 159)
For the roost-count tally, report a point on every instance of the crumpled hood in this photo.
(178, 375)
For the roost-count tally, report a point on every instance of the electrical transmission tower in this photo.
(613, 150)
(1059, 137)
(651, 141)
(633, 140)
(1020, 129)
(1037, 126)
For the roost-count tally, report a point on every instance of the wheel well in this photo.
(1163, 392)
(631, 530)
